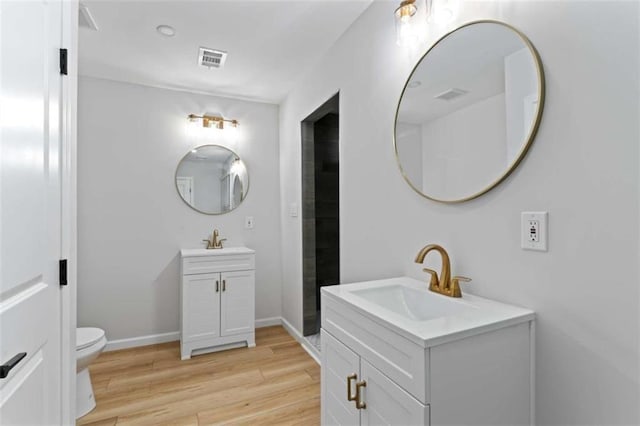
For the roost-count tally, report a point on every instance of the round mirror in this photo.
(469, 111)
(212, 179)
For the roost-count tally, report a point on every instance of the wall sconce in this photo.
(410, 22)
(405, 15)
(213, 121)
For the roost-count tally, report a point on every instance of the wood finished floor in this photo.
(275, 383)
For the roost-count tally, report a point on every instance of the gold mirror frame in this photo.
(175, 180)
(532, 132)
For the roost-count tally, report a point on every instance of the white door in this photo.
(185, 188)
(238, 300)
(30, 212)
(387, 403)
(339, 366)
(201, 306)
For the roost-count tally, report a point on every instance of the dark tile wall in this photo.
(327, 208)
(309, 309)
(320, 209)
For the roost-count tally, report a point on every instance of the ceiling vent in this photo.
(211, 58)
(450, 94)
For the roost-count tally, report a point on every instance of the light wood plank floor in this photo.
(275, 383)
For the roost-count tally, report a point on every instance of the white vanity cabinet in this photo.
(217, 295)
(410, 357)
(385, 401)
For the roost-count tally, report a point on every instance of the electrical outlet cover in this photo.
(534, 230)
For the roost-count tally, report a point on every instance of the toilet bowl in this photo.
(90, 342)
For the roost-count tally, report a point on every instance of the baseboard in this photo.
(153, 339)
(133, 342)
(300, 338)
(268, 322)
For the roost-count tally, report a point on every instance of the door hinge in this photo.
(63, 272)
(63, 61)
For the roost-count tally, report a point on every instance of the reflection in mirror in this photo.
(469, 111)
(212, 179)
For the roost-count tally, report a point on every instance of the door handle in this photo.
(224, 285)
(359, 403)
(5, 368)
(351, 377)
(217, 286)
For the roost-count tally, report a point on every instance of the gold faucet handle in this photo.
(435, 282)
(220, 242)
(208, 242)
(461, 279)
(454, 288)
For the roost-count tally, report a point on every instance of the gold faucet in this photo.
(214, 242)
(445, 284)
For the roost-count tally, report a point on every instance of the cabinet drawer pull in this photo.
(224, 285)
(359, 403)
(5, 368)
(350, 396)
(217, 286)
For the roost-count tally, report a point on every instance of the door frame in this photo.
(68, 126)
(308, 228)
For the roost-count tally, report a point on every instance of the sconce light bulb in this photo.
(405, 33)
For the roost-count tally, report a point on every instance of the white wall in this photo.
(131, 220)
(521, 85)
(463, 152)
(207, 183)
(409, 149)
(582, 168)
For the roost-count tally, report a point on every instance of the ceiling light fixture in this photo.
(213, 121)
(405, 31)
(166, 30)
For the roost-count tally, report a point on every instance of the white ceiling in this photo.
(471, 59)
(270, 43)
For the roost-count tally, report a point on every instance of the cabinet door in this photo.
(387, 403)
(338, 362)
(201, 306)
(238, 302)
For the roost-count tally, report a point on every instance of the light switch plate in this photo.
(248, 222)
(534, 230)
(293, 210)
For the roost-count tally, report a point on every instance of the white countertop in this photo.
(477, 314)
(215, 252)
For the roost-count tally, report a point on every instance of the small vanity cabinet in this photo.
(217, 295)
(395, 353)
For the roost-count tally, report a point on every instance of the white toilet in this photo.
(90, 342)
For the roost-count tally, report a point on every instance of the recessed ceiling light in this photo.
(414, 84)
(166, 30)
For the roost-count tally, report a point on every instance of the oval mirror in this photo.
(469, 111)
(212, 179)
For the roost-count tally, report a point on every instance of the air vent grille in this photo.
(450, 94)
(211, 58)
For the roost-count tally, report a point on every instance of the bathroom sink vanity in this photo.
(217, 296)
(395, 353)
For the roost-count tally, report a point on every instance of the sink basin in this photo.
(406, 306)
(413, 304)
(215, 252)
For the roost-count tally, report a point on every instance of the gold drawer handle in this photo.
(351, 397)
(359, 403)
